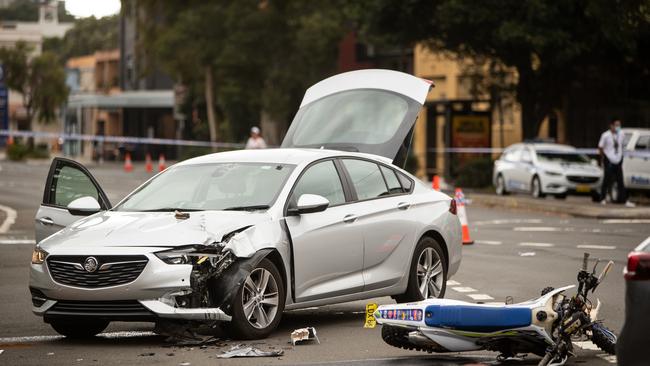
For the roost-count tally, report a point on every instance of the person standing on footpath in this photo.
(255, 141)
(610, 149)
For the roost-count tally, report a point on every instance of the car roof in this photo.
(550, 146)
(281, 155)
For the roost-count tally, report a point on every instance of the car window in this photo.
(407, 183)
(70, 183)
(393, 183)
(560, 156)
(526, 156)
(210, 187)
(643, 143)
(511, 154)
(321, 179)
(366, 178)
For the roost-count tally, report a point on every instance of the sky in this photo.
(98, 8)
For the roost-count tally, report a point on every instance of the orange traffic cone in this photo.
(462, 215)
(161, 162)
(435, 184)
(148, 165)
(128, 165)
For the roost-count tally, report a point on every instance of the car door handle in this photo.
(46, 221)
(403, 205)
(350, 218)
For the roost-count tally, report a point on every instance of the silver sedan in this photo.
(241, 236)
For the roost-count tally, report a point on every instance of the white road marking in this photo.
(452, 283)
(590, 246)
(46, 338)
(536, 228)
(9, 220)
(588, 345)
(537, 245)
(508, 221)
(463, 289)
(17, 241)
(626, 221)
(488, 242)
(480, 297)
(527, 254)
(607, 357)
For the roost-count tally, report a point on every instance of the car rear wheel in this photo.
(536, 188)
(501, 186)
(427, 274)
(259, 303)
(77, 328)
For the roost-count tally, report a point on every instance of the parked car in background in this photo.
(241, 236)
(546, 169)
(636, 163)
(632, 345)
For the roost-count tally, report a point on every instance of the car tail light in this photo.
(452, 206)
(638, 267)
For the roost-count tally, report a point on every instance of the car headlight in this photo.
(187, 255)
(38, 256)
(552, 173)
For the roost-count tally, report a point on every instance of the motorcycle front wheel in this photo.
(604, 338)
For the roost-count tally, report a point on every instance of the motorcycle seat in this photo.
(477, 318)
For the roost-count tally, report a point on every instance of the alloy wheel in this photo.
(429, 273)
(260, 298)
(501, 185)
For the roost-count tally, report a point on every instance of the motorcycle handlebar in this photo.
(585, 259)
(602, 275)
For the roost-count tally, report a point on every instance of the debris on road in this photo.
(147, 354)
(184, 364)
(304, 334)
(526, 254)
(239, 351)
(50, 353)
(2, 351)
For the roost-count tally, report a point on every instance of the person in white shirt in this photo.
(255, 141)
(610, 148)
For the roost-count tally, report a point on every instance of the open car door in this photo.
(71, 193)
(371, 111)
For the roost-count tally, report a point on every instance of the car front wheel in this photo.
(536, 188)
(427, 274)
(259, 303)
(501, 186)
(78, 329)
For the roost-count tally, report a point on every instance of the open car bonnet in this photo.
(147, 229)
(370, 111)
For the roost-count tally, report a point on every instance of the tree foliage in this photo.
(557, 47)
(85, 37)
(40, 80)
(263, 54)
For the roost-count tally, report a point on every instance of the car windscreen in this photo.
(221, 186)
(558, 156)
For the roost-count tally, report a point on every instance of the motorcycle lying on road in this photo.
(544, 326)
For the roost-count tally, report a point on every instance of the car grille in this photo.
(111, 270)
(124, 309)
(581, 179)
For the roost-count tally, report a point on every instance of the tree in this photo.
(87, 36)
(246, 56)
(557, 47)
(40, 80)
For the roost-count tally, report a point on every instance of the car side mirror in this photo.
(84, 206)
(311, 203)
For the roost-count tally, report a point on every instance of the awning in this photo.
(127, 99)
